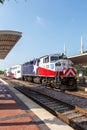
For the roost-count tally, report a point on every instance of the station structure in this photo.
(79, 59)
(8, 39)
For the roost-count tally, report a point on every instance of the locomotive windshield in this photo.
(57, 57)
(54, 58)
(67, 63)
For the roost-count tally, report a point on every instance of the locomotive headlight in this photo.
(58, 64)
(64, 71)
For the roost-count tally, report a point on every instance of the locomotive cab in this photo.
(57, 71)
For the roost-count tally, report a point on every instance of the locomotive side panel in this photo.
(46, 68)
(29, 70)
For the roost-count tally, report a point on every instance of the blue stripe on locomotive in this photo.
(29, 68)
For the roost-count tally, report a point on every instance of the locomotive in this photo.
(54, 70)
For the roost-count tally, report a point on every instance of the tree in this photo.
(1, 72)
(2, 1)
(85, 51)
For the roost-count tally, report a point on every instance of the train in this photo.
(53, 70)
(7, 72)
(15, 72)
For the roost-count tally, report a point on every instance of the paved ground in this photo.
(15, 115)
(17, 112)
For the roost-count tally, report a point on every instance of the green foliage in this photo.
(2, 1)
(85, 52)
(1, 72)
(81, 67)
(85, 71)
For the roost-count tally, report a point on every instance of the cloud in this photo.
(40, 20)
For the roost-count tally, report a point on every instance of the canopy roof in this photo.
(79, 59)
(7, 40)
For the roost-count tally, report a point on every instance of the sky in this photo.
(46, 25)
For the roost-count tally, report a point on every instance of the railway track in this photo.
(74, 116)
(78, 93)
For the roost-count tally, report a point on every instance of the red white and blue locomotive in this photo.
(53, 70)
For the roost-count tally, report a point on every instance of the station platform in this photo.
(82, 86)
(17, 112)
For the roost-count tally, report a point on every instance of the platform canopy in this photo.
(8, 39)
(79, 59)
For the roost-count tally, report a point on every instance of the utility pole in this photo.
(64, 49)
(81, 45)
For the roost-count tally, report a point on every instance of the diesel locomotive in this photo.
(53, 70)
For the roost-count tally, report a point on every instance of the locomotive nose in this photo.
(70, 71)
(64, 70)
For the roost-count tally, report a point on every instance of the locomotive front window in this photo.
(69, 62)
(18, 71)
(46, 60)
(54, 58)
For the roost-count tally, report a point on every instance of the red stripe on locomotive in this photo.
(46, 72)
